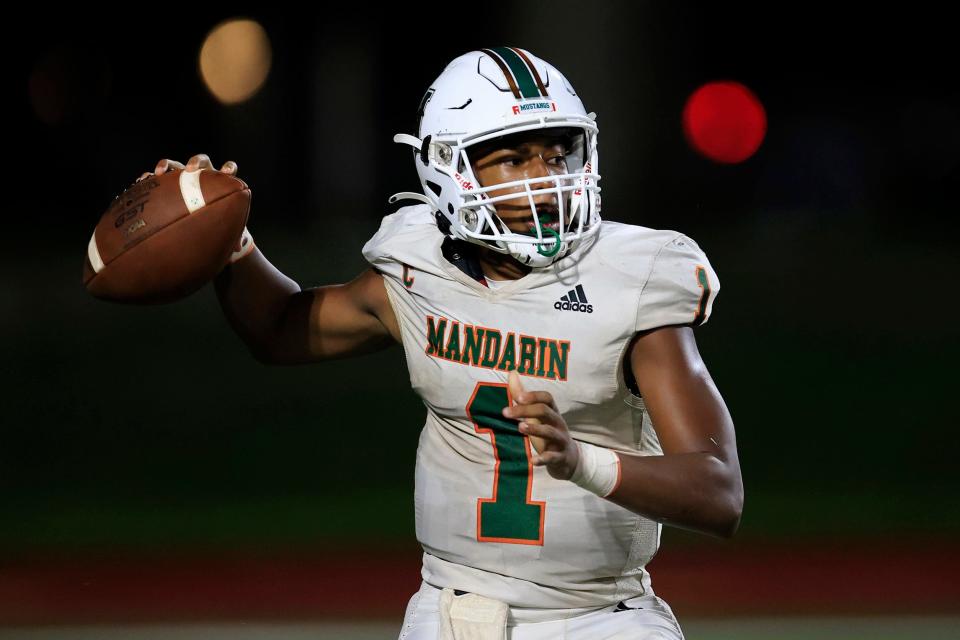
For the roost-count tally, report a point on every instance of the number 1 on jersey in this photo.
(510, 515)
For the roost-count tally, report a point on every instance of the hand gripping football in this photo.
(166, 236)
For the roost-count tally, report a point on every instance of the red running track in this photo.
(713, 578)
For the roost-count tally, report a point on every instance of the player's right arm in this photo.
(282, 324)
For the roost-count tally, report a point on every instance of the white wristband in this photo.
(246, 246)
(598, 469)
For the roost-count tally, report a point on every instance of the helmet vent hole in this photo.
(436, 188)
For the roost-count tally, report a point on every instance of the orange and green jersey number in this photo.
(704, 283)
(509, 515)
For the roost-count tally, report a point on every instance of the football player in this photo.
(569, 414)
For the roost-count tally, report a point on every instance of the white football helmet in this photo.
(488, 94)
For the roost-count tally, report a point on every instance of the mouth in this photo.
(546, 228)
(549, 219)
(549, 222)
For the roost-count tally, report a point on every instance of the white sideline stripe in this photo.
(93, 253)
(190, 189)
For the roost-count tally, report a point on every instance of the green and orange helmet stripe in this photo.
(521, 75)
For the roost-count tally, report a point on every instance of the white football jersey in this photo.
(489, 522)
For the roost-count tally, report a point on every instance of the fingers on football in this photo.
(199, 161)
(167, 165)
(195, 163)
(203, 161)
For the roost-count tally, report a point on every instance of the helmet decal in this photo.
(523, 77)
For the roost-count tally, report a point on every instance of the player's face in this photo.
(520, 157)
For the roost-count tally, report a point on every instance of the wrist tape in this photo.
(246, 246)
(598, 469)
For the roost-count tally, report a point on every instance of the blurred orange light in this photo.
(235, 60)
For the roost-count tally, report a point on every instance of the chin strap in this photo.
(406, 138)
(409, 195)
(421, 146)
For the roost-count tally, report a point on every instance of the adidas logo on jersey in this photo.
(575, 300)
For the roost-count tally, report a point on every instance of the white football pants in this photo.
(648, 618)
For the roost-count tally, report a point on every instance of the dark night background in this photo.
(832, 340)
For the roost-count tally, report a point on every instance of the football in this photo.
(166, 236)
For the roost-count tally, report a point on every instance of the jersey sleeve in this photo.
(680, 288)
(402, 240)
(377, 250)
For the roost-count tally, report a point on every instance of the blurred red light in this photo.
(724, 121)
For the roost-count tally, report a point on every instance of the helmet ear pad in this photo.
(424, 149)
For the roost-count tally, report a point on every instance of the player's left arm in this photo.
(696, 484)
